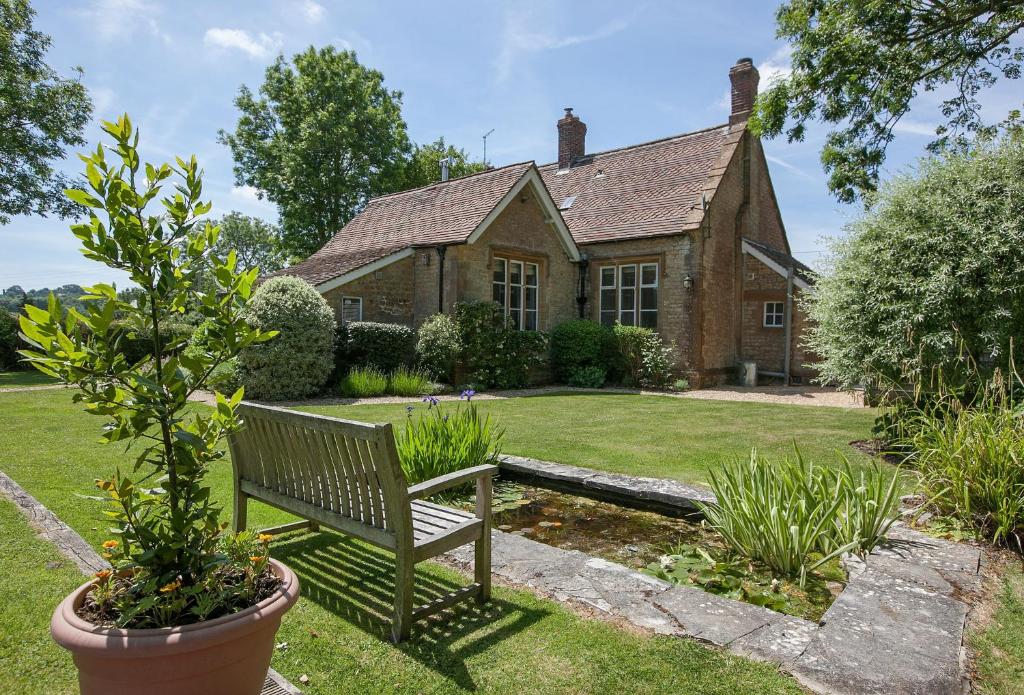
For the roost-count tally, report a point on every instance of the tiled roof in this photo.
(651, 189)
(442, 213)
(785, 260)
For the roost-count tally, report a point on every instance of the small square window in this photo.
(774, 314)
(351, 309)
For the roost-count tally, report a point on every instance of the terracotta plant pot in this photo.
(224, 656)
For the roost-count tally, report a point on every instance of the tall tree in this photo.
(323, 136)
(41, 114)
(858, 64)
(932, 273)
(424, 166)
(256, 243)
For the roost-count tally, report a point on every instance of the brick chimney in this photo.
(572, 135)
(743, 76)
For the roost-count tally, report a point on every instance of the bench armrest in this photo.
(443, 482)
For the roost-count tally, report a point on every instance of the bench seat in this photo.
(346, 475)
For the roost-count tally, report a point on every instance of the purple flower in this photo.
(468, 394)
(409, 409)
(431, 401)
(446, 418)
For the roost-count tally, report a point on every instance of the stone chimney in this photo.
(572, 135)
(743, 76)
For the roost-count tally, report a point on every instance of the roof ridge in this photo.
(644, 144)
(457, 178)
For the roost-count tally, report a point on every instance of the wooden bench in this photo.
(346, 475)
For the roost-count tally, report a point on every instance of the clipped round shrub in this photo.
(386, 346)
(10, 343)
(297, 362)
(438, 346)
(578, 345)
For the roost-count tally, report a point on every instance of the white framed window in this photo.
(515, 286)
(774, 314)
(629, 294)
(351, 309)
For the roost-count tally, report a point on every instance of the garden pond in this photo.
(676, 550)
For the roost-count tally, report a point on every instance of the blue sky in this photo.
(633, 72)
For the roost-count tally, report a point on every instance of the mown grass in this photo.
(1000, 646)
(655, 435)
(26, 377)
(519, 643)
(34, 578)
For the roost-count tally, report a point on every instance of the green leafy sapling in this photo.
(166, 525)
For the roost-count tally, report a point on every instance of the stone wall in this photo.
(677, 258)
(519, 232)
(387, 294)
(766, 345)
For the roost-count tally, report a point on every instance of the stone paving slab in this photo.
(712, 618)
(886, 635)
(781, 641)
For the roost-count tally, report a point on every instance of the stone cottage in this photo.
(682, 234)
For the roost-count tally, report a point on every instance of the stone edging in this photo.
(897, 627)
(661, 495)
(73, 547)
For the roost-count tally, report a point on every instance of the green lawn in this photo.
(517, 644)
(27, 377)
(1000, 647)
(34, 578)
(654, 435)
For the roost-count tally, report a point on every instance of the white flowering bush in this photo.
(298, 362)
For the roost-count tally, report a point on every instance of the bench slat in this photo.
(345, 449)
(321, 516)
(454, 515)
(330, 479)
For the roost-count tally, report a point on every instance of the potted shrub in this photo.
(185, 606)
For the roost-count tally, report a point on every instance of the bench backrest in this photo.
(348, 469)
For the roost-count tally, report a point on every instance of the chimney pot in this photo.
(744, 78)
(572, 134)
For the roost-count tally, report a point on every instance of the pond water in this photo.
(637, 539)
(627, 536)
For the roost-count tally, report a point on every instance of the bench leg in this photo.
(401, 622)
(482, 556)
(238, 520)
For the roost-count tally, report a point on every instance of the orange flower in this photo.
(265, 538)
(110, 545)
(172, 586)
(103, 575)
(257, 559)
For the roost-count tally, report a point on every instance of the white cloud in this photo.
(249, 194)
(521, 37)
(789, 166)
(102, 101)
(258, 46)
(312, 11)
(912, 127)
(116, 19)
(353, 41)
(776, 67)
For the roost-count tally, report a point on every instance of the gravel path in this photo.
(19, 389)
(788, 395)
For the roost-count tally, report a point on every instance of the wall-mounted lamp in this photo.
(688, 283)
